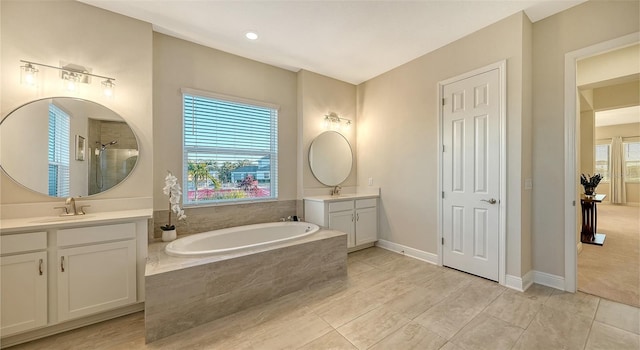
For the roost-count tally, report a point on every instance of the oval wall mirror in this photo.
(65, 146)
(330, 158)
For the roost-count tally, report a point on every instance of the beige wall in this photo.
(623, 130)
(112, 45)
(317, 96)
(178, 63)
(581, 26)
(587, 142)
(616, 96)
(611, 65)
(398, 128)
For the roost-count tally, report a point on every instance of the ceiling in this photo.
(352, 41)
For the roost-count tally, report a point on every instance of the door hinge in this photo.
(574, 203)
(442, 241)
(442, 148)
(442, 194)
(444, 101)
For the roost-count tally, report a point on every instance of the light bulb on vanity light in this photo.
(70, 81)
(108, 87)
(28, 74)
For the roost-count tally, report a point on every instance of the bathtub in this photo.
(239, 238)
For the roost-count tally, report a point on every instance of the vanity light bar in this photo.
(332, 118)
(72, 75)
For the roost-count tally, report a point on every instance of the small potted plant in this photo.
(173, 190)
(590, 183)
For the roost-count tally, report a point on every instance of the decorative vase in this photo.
(589, 191)
(168, 235)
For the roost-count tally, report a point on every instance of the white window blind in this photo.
(59, 130)
(230, 150)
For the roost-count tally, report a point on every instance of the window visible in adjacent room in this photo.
(58, 154)
(602, 161)
(632, 161)
(230, 149)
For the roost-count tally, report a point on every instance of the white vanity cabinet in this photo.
(356, 216)
(72, 272)
(23, 270)
(100, 273)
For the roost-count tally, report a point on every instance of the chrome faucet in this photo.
(72, 201)
(336, 191)
(74, 210)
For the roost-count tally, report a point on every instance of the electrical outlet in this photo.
(370, 181)
(528, 184)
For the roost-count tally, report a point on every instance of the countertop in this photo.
(47, 222)
(347, 196)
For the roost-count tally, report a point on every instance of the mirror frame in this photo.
(311, 165)
(135, 135)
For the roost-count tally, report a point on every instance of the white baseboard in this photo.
(513, 282)
(519, 283)
(549, 280)
(408, 251)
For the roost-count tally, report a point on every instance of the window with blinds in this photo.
(230, 150)
(59, 130)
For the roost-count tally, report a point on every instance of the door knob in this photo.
(490, 201)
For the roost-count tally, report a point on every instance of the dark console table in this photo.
(589, 233)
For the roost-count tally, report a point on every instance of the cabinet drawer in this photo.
(96, 234)
(366, 203)
(340, 206)
(23, 242)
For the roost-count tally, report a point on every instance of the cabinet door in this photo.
(343, 221)
(96, 278)
(24, 292)
(366, 225)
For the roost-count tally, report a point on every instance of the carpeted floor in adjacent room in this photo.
(612, 271)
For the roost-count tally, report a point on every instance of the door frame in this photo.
(571, 125)
(502, 218)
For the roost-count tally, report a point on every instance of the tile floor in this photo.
(392, 302)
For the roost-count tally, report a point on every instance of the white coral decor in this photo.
(173, 190)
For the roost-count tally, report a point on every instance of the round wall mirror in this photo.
(65, 146)
(330, 158)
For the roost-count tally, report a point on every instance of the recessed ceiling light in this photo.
(251, 36)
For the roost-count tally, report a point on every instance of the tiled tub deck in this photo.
(182, 293)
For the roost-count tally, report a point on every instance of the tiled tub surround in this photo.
(203, 219)
(182, 293)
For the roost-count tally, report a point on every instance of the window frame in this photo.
(607, 143)
(273, 153)
(624, 150)
(60, 165)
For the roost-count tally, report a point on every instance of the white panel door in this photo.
(471, 174)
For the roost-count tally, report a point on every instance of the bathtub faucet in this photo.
(289, 218)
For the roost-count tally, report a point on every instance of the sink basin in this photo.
(62, 218)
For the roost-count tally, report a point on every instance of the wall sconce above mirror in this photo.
(71, 74)
(334, 122)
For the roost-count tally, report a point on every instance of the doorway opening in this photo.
(574, 134)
